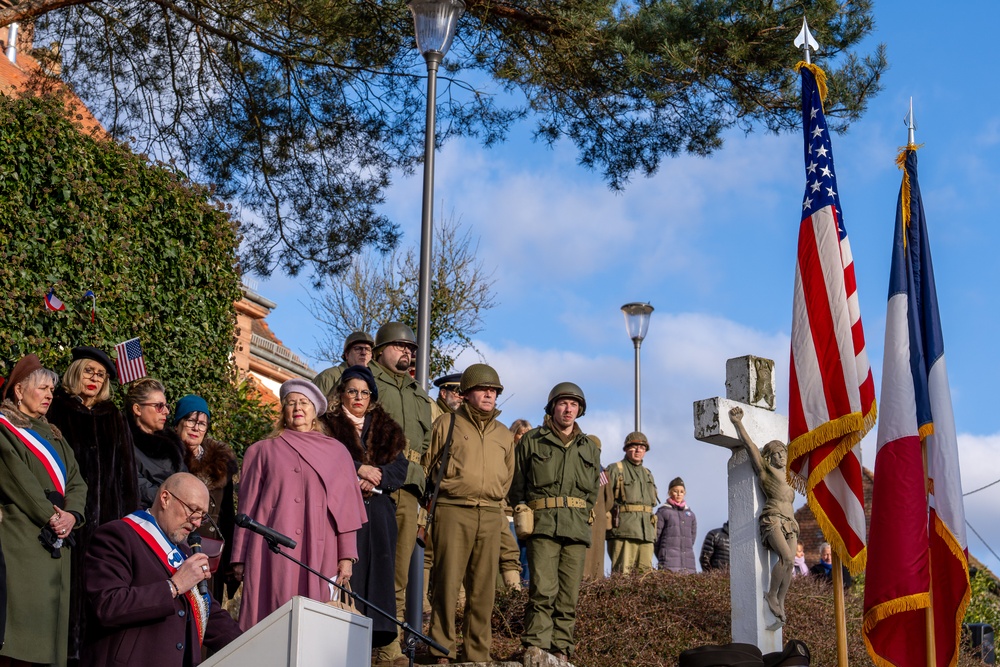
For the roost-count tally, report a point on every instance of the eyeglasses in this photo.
(196, 425)
(193, 514)
(159, 407)
(409, 347)
(95, 373)
(354, 393)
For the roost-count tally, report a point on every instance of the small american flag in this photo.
(131, 364)
(832, 392)
(604, 477)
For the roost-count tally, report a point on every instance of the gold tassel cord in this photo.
(819, 74)
(904, 191)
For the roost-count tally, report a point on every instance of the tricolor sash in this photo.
(43, 450)
(167, 553)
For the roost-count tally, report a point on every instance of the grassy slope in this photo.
(648, 620)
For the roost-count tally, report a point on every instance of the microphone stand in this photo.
(409, 634)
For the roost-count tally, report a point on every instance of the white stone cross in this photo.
(749, 385)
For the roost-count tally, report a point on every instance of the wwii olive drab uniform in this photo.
(630, 544)
(468, 522)
(559, 481)
(328, 379)
(408, 404)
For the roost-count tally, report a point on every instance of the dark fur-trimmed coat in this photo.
(217, 468)
(381, 444)
(157, 456)
(102, 443)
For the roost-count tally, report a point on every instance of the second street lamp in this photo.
(434, 23)
(637, 323)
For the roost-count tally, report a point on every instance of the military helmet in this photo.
(480, 375)
(636, 438)
(394, 332)
(354, 339)
(566, 390)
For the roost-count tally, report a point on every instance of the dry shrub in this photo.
(647, 620)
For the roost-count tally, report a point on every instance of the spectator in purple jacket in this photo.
(676, 527)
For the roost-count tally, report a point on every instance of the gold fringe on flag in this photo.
(881, 612)
(956, 550)
(905, 190)
(849, 429)
(818, 73)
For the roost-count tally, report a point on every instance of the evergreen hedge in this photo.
(80, 213)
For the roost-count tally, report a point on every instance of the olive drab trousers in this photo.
(556, 566)
(628, 555)
(466, 550)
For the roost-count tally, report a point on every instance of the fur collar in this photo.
(160, 445)
(69, 402)
(21, 420)
(216, 466)
(384, 438)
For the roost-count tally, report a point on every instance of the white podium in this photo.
(301, 633)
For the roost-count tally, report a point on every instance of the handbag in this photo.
(341, 600)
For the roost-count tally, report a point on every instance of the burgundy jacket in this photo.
(133, 618)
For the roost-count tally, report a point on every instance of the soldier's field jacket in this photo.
(635, 496)
(548, 472)
(481, 463)
(410, 406)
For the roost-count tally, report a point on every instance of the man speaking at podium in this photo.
(143, 591)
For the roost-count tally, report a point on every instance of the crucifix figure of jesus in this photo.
(744, 416)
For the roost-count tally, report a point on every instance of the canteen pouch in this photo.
(524, 521)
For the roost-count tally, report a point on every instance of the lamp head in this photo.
(637, 320)
(434, 22)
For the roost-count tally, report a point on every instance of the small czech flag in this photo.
(52, 302)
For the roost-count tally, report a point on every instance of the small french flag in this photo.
(52, 302)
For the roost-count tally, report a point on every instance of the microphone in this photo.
(194, 541)
(269, 534)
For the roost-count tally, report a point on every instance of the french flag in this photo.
(52, 302)
(917, 572)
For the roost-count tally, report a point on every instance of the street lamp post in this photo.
(637, 323)
(434, 23)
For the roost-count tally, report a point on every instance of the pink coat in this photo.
(303, 485)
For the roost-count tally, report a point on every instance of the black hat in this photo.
(450, 382)
(100, 357)
(361, 373)
(728, 655)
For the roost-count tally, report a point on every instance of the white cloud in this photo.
(980, 463)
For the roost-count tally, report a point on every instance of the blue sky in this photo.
(711, 244)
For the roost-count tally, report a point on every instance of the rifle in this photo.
(430, 501)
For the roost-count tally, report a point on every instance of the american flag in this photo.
(913, 533)
(130, 362)
(832, 392)
(603, 478)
